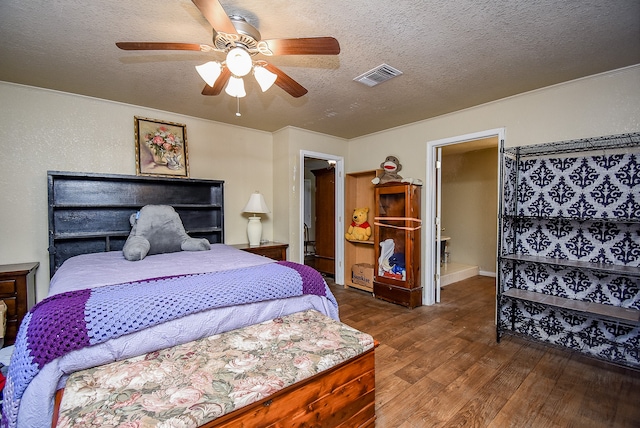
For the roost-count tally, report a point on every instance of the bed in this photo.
(102, 308)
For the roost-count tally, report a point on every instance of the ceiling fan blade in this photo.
(219, 85)
(160, 46)
(214, 13)
(304, 46)
(285, 82)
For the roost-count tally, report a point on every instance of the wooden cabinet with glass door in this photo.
(397, 244)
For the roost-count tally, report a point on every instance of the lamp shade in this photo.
(209, 71)
(264, 77)
(256, 204)
(235, 87)
(239, 62)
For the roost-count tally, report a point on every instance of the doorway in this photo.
(469, 202)
(320, 245)
(460, 206)
(320, 220)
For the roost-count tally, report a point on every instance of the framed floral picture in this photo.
(161, 148)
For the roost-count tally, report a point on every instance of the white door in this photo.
(438, 221)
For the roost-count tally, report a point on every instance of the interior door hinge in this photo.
(438, 164)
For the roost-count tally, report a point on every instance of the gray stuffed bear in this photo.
(158, 229)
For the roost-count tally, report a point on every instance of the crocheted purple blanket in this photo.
(70, 321)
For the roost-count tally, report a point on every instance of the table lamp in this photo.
(255, 206)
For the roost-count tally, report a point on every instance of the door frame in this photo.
(430, 293)
(339, 207)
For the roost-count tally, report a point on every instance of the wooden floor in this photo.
(440, 366)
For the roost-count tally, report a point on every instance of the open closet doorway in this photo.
(462, 204)
(322, 203)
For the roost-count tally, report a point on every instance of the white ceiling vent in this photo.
(380, 74)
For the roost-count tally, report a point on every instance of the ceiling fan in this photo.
(240, 41)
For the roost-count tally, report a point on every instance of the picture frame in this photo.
(161, 148)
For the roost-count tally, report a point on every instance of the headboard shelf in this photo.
(93, 206)
(125, 233)
(89, 235)
(90, 212)
(204, 230)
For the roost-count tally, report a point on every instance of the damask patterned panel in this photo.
(577, 208)
(606, 187)
(509, 172)
(595, 241)
(607, 340)
(572, 283)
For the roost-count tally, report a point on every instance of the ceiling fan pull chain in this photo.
(238, 107)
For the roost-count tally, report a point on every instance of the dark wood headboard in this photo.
(89, 213)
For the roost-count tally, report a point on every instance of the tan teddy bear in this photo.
(359, 230)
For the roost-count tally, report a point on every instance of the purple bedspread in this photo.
(73, 320)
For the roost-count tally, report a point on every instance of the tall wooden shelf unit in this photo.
(397, 239)
(569, 247)
(359, 193)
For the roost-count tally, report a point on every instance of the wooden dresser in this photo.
(18, 290)
(273, 250)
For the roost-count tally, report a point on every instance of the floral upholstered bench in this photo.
(301, 369)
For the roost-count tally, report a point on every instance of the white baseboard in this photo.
(486, 273)
(454, 272)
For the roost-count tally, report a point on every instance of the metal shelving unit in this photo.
(569, 253)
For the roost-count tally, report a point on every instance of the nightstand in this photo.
(273, 250)
(18, 290)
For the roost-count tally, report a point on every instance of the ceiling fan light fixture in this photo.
(235, 87)
(264, 77)
(209, 72)
(240, 41)
(239, 62)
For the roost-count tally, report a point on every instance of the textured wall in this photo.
(604, 104)
(43, 130)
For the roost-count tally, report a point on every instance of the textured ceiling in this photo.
(454, 54)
